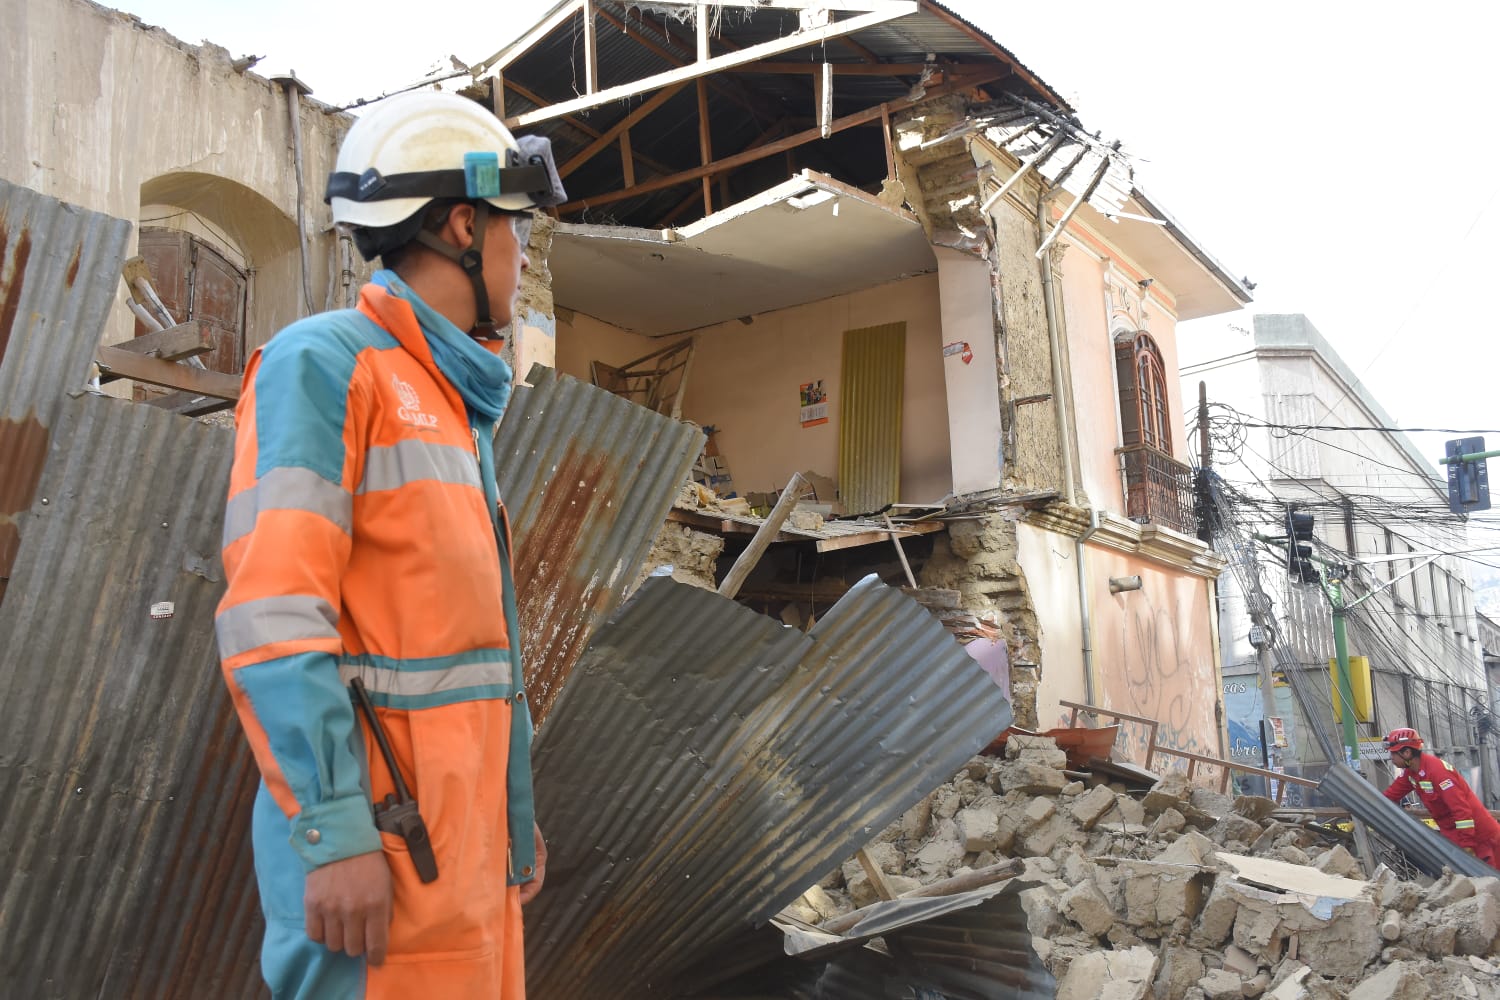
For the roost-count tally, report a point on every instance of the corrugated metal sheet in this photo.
(591, 477)
(59, 266)
(874, 373)
(1423, 847)
(705, 765)
(970, 946)
(126, 781)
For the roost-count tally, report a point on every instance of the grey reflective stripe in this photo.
(420, 682)
(274, 619)
(393, 466)
(287, 488)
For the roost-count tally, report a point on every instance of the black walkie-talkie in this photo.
(397, 813)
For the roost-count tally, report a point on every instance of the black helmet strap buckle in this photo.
(472, 262)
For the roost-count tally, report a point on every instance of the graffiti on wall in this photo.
(1155, 660)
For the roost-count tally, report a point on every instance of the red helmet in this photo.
(1403, 739)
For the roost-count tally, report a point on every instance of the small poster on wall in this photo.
(814, 404)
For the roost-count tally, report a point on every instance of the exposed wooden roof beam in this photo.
(848, 69)
(791, 142)
(754, 53)
(729, 88)
(578, 123)
(614, 131)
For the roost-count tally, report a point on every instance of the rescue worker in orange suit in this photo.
(1459, 814)
(363, 539)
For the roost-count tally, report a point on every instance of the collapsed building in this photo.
(877, 205)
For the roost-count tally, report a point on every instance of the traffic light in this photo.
(1468, 482)
(1299, 533)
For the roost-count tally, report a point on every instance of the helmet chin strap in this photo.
(472, 262)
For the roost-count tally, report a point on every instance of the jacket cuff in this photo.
(334, 830)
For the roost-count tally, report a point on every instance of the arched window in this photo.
(1143, 392)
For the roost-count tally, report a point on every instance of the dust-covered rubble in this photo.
(1184, 893)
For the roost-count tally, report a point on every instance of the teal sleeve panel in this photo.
(310, 724)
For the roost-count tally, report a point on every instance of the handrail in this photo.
(1193, 759)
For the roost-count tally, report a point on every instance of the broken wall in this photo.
(110, 114)
(745, 381)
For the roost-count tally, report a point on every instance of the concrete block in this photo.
(1448, 891)
(1037, 750)
(1338, 861)
(1180, 970)
(945, 802)
(1091, 806)
(1043, 838)
(1233, 826)
(1087, 907)
(1071, 789)
(1290, 986)
(939, 855)
(1110, 975)
(1220, 985)
(1155, 894)
(1254, 807)
(1390, 925)
(914, 822)
(1043, 918)
(1477, 921)
(1038, 811)
(1211, 803)
(1397, 981)
(1240, 962)
(1192, 848)
(1292, 855)
(1168, 793)
(1170, 821)
(1031, 778)
(979, 829)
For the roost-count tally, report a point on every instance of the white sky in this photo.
(1344, 156)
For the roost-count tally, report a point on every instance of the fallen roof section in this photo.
(804, 240)
(1424, 847)
(590, 477)
(705, 765)
(59, 267)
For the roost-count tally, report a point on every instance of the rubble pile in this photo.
(1182, 894)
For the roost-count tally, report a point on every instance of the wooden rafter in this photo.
(583, 126)
(753, 53)
(621, 127)
(771, 149)
(590, 49)
(839, 69)
(728, 87)
(692, 199)
(705, 146)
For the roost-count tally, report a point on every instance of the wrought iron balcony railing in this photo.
(1158, 489)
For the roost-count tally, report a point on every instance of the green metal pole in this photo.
(1345, 686)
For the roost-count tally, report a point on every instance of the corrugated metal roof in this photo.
(742, 106)
(126, 780)
(1423, 847)
(705, 765)
(59, 266)
(970, 946)
(591, 477)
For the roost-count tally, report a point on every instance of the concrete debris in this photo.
(1183, 893)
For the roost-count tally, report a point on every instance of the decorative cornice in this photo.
(1153, 542)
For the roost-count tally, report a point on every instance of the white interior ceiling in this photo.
(806, 239)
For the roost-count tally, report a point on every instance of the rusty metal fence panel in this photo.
(591, 477)
(126, 779)
(59, 266)
(705, 765)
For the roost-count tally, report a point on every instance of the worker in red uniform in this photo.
(1459, 814)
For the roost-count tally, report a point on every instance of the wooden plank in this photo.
(750, 54)
(735, 578)
(771, 149)
(170, 375)
(590, 49)
(608, 136)
(871, 537)
(705, 147)
(874, 874)
(190, 404)
(583, 126)
(839, 69)
(174, 343)
(627, 159)
(700, 19)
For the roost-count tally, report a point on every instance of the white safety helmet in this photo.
(416, 148)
